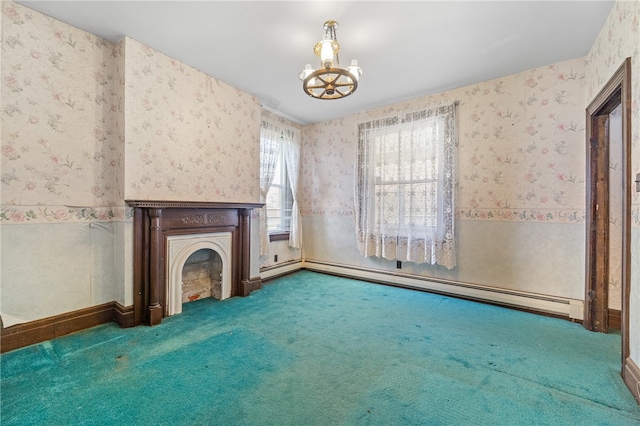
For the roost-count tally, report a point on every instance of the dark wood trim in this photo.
(254, 283)
(191, 205)
(631, 376)
(245, 252)
(139, 273)
(21, 335)
(627, 186)
(616, 91)
(123, 315)
(156, 264)
(598, 207)
(615, 319)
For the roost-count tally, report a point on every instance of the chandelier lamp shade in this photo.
(330, 81)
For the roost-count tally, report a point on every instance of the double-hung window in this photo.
(405, 186)
(279, 201)
(279, 171)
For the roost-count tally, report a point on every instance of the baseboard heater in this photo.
(551, 305)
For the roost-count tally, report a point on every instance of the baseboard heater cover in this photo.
(564, 307)
(631, 376)
(284, 268)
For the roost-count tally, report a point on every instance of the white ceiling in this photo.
(405, 49)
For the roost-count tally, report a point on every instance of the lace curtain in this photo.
(291, 146)
(270, 137)
(405, 186)
(273, 138)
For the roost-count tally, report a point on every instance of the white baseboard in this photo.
(281, 269)
(560, 306)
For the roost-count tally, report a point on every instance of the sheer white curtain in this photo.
(291, 146)
(270, 140)
(405, 186)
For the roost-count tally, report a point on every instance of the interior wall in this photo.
(87, 124)
(618, 40)
(520, 184)
(59, 208)
(188, 136)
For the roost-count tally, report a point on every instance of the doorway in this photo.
(608, 206)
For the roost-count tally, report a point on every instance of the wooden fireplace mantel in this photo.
(191, 205)
(154, 221)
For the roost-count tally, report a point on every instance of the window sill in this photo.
(279, 236)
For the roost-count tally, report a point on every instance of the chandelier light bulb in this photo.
(355, 69)
(305, 72)
(326, 51)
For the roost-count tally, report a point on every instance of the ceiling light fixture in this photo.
(330, 81)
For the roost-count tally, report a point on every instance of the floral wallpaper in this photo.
(57, 141)
(328, 161)
(520, 158)
(618, 40)
(87, 124)
(189, 137)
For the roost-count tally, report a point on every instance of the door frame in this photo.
(616, 92)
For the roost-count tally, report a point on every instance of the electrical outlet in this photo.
(275, 257)
(398, 264)
(638, 182)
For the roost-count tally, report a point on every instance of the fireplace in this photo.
(206, 248)
(167, 234)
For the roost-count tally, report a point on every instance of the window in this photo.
(406, 178)
(279, 171)
(279, 200)
(405, 198)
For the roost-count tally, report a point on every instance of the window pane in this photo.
(279, 199)
(273, 197)
(277, 175)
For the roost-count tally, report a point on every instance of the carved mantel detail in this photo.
(204, 219)
(155, 220)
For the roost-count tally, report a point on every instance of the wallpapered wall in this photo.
(58, 168)
(57, 92)
(520, 194)
(520, 157)
(87, 124)
(188, 136)
(618, 40)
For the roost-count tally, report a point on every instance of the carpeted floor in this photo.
(312, 349)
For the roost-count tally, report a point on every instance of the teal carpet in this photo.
(312, 349)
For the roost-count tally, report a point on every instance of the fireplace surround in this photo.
(155, 223)
(180, 248)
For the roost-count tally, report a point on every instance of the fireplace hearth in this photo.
(159, 224)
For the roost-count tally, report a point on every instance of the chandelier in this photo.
(330, 81)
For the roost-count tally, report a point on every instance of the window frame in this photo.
(286, 200)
